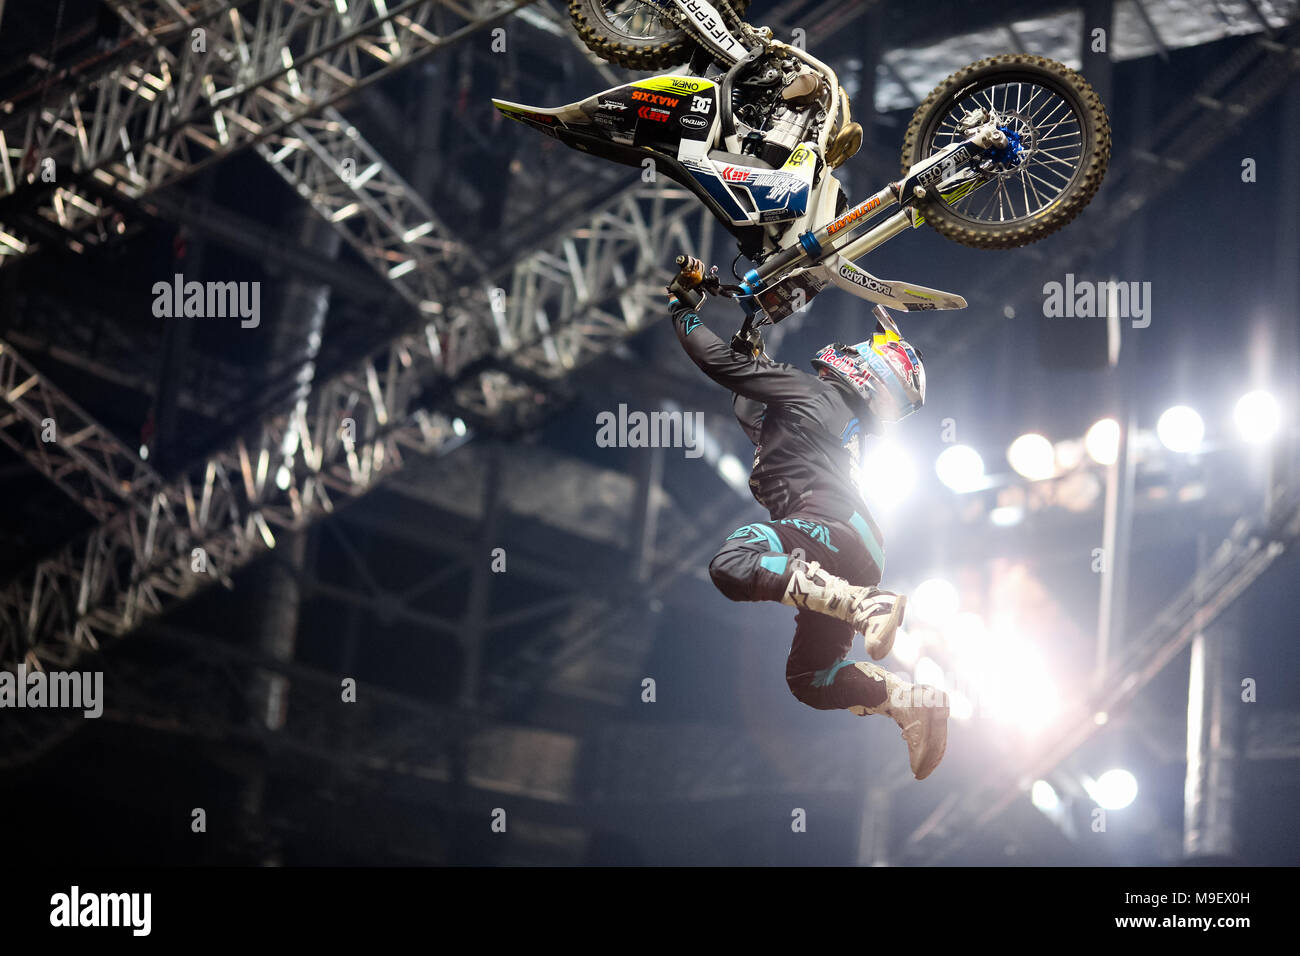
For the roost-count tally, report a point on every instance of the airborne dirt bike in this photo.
(1004, 152)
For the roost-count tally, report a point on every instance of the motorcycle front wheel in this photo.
(1059, 149)
(635, 33)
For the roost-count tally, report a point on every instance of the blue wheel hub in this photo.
(1012, 154)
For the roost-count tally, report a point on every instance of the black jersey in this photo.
(807, 431)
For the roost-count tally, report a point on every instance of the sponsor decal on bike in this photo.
(866, 281)
(693, 122)
(527, 115)
(945, 169)
(853, 215)
(612, 105)
(657, 98)
(734, 174)
(653, 114)
(674, 84)
(920, 306)
(707, 18)
(799, 158)
(780, 185)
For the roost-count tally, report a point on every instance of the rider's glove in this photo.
(685, 285)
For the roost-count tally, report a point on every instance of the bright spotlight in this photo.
(1258, 416)
(1033, 457)
(1102, 442)
(1021, 689)
(907, 647)
(283, 478)
(1043, 796)
(965, 638)
(732, 471)
(959, 705)
(961, 468)
(929, 672)
(934, 601)
(966, 635)
(458, 426)
(1114, 789)
(888, 474)
(1180, 429)
(1007, 516)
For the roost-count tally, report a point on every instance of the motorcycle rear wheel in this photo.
(634, 33)
(1068, 173)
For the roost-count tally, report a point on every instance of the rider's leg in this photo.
(793, 561)
(817, 672)
(819, 675)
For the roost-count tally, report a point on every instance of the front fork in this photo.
(836, 236)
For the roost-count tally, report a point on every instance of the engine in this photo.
(777, 106)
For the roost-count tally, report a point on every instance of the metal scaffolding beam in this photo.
(61, 441)
(190, 100)
(569, 303)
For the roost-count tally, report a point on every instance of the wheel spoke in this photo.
(1053, 139)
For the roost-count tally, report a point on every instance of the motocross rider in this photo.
(821, 552)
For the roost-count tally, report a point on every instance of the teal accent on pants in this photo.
(774, 563)
(818, 532)
(859, 524)
(826, 676)
(759, 532)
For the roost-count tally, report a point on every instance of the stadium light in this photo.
(1258, 416)
(961, 468)
(1113, 790)
(929, 672)
(888, 474)
(732, 471)
(1032, 457)
(934, 601)
(1007, 516)
(907, 647)
(1044, 796)
(1102, 441)
(960, 706)
(1180, 429)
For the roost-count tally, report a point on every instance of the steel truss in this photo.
(66, 445)
(270, 80)
(567, 304)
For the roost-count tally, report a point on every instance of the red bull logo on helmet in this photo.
(842, 363)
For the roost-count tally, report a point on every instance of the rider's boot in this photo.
(919, 709)
(874, 613)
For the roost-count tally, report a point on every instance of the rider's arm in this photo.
(750, 414)
(754, 378)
